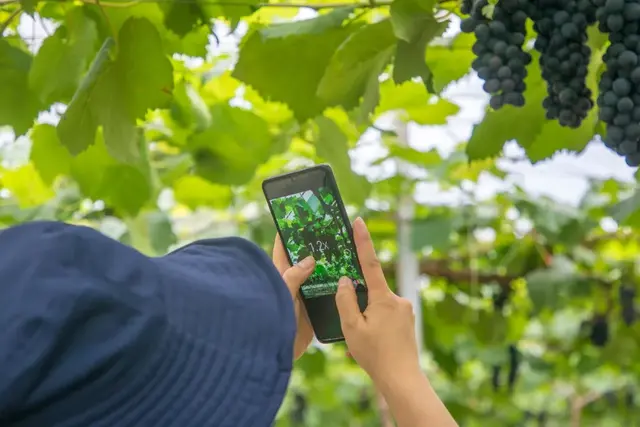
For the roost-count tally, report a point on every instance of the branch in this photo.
(315, 6)
(442, 268)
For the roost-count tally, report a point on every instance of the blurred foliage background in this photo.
(155, 122)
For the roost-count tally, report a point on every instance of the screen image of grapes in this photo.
(311, 224)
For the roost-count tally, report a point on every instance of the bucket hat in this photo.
(96, 334)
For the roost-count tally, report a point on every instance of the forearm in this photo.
(414, 403)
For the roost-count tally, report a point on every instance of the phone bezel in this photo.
(291, 188)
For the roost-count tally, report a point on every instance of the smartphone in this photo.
(311, 220)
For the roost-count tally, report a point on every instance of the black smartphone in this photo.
(311, 220)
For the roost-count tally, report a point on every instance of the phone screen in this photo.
(311, 223)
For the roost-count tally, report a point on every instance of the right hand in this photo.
(382, 339)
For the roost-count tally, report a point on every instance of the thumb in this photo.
(347, 304)
(295, 276)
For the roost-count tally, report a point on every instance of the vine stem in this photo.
(315, 6)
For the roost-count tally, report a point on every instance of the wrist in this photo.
(400, 379)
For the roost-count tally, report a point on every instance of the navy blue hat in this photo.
(93, 333)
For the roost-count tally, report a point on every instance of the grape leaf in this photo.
(19, 104)
(193, 43)
(78, 125)
(410, 59)
(450, 62)
(191, 107)
(48, 156)
(194, 191)
(272, 67)
(346, 77)
(332, 146)
(434, 231)
(414, 103)
(232, 11)
(232, 148)
(26, 186)
(182, 17)
(333, 19)
(114, 94)
(124, 187)
(29, 6)
(63, 57)
(371, 97)
(411, 17)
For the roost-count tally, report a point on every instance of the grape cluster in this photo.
(619, 98)
(500, 60)
(561, 26)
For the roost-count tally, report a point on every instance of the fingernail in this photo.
(344, 282)
(307, 263)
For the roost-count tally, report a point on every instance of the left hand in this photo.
(294, 277)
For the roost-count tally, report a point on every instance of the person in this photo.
(93, 333)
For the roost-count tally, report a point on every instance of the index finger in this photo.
(371, 267)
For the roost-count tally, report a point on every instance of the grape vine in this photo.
(561, 38)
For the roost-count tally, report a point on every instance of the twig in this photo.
(11, 17)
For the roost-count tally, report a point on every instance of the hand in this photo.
(382, 339)
(294, 277)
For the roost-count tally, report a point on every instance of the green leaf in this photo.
(333, 19)
(124, 187)
(19, 104)
(78, 125)
(161, 232)
(410, 17)
(232, 11)
(450, 62)
(62, 59)
(490, 328)
(313, 363)
(272, 66)
(362, 55)
(414, 103)
(425, 159)
(232, 148)
(193, 109)
(627, 211)
(434, 231)
(25, 185)
(29, 6)
(182, 17)
(415, 26)
(115, 94)
(48, 156)
(193, 192)
(332, 146)
(549, 287)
